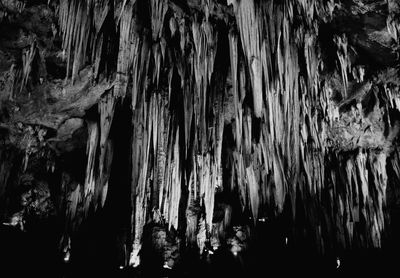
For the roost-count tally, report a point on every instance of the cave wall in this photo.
(203, 118)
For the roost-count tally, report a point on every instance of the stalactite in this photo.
(205, 41)
(206, 169)
(250, 36)
(392, 21)
(10, 81)
(202, 235)
(102, 189)
(395, 163)
(363, 174)
(378, 168)
(160, 144)
(133, 55)
(233, 47)
(158, 10)
(81, 27)
(106, 111)
(393, 96)
(27, 58)
(253, 191)
(74, 200)
(101, 10)
(162, 148)
(280, 88)
(140, 66)
(75, 26)
(139, 173)
(393, 27)
(127, 50)
(192, 214)
(7, 160)
(174, 186)
(344, 60)
(281, 115)
(91, 175)
(360, 200)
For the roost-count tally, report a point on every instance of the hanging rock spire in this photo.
(236, 113)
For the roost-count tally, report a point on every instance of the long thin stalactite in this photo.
(280, 109)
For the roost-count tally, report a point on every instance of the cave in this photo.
(173, 138)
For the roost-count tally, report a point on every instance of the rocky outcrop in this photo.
(276, 106)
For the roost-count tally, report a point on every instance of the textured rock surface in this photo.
(197, 114)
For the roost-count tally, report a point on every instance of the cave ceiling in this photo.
(275, 102)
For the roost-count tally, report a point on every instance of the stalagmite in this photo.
(292, 123)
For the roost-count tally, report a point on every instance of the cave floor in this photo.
(32, 255)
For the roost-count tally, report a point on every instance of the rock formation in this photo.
(185, 125)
